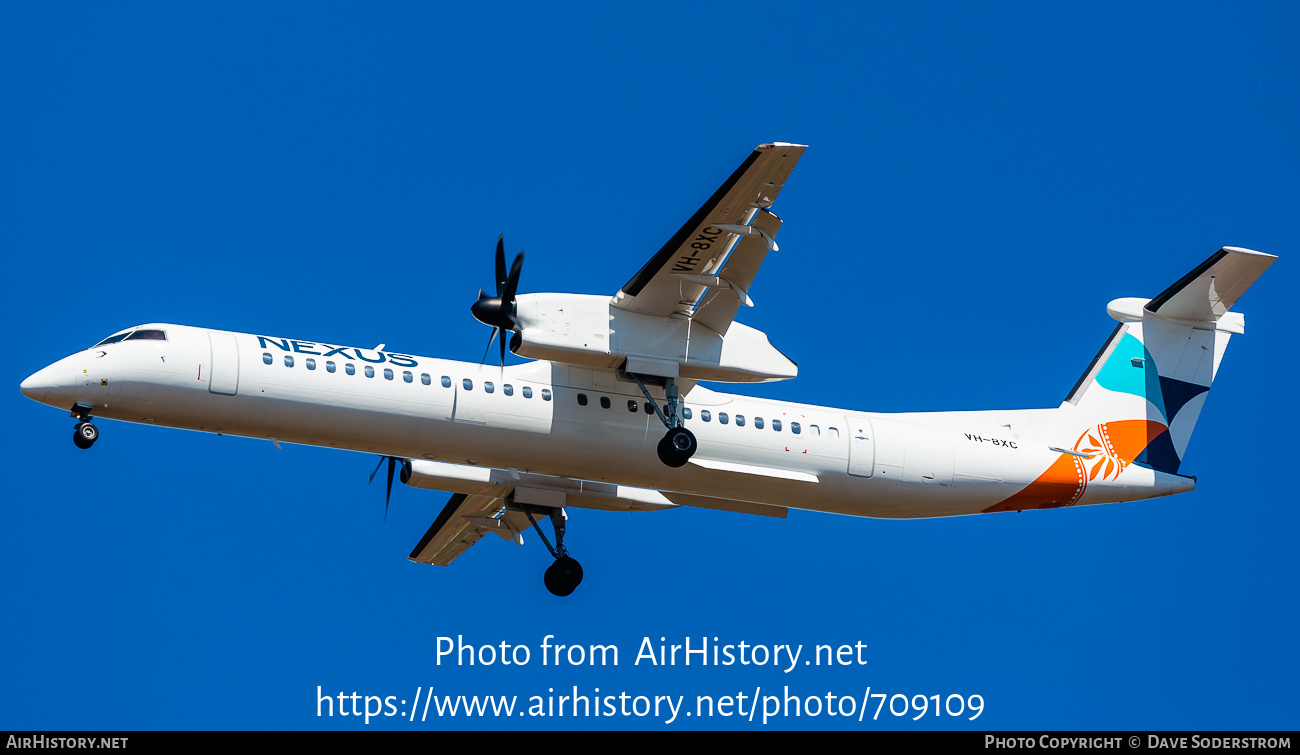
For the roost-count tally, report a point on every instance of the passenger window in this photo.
(488, 387)
(311, 363)
(582, 399)
(446, 382)
(266, 357)
(508, 389)
(814, 430)
(705, 415)
(528, 392)
(467, 384)
(425, 379)
(604, 402)
(407, 376)
(740, 420)
(388, 374)
(370, 371)
(546, 394)
(794, 427)
(649, 408)
(722, 418)
(832, 432)
(758, 423)
(329, 367)
(288, 361)
(350, 368)
(686, 412)
(776, 425)
(631, 406)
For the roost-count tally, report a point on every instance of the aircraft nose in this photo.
(39, 384)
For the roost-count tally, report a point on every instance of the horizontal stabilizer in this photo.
(1207, 292)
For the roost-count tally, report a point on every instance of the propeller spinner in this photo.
(499, 311)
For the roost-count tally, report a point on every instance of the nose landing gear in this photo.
(84, 434)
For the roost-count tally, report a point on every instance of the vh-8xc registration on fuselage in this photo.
(611, 415)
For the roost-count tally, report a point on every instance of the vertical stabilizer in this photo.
(1140, 397)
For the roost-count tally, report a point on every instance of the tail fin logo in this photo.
(1111, 446)
(1115, 445)
(1103, 458)
(1132, 370)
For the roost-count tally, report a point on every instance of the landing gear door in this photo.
(862, 447)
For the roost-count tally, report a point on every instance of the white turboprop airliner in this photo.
(584, 424)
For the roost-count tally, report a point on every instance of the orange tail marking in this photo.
(1061, 485)
(1112, 445)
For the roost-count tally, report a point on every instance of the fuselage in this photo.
(565, 421)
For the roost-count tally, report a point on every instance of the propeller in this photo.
(499, 311)
(392, 466)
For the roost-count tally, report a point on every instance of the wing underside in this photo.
(463, 521)
(717, 253)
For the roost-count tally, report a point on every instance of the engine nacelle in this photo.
(587, 330)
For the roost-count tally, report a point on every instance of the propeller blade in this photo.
(501, 263)
(372, 474)
(392, 464)
(512, 283)
(499, 311)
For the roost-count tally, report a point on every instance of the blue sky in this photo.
(981, 180)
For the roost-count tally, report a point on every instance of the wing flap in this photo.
(719, 306)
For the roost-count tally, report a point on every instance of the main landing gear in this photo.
(563, 576)
(84, 434)
(678, 445)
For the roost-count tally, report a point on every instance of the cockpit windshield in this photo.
(134, 334)
(113, 338)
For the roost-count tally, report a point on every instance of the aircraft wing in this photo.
(717, 253)
(464, 520)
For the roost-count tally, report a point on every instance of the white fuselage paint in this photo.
(920, 464)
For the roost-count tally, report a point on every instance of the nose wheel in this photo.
(84, 434)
